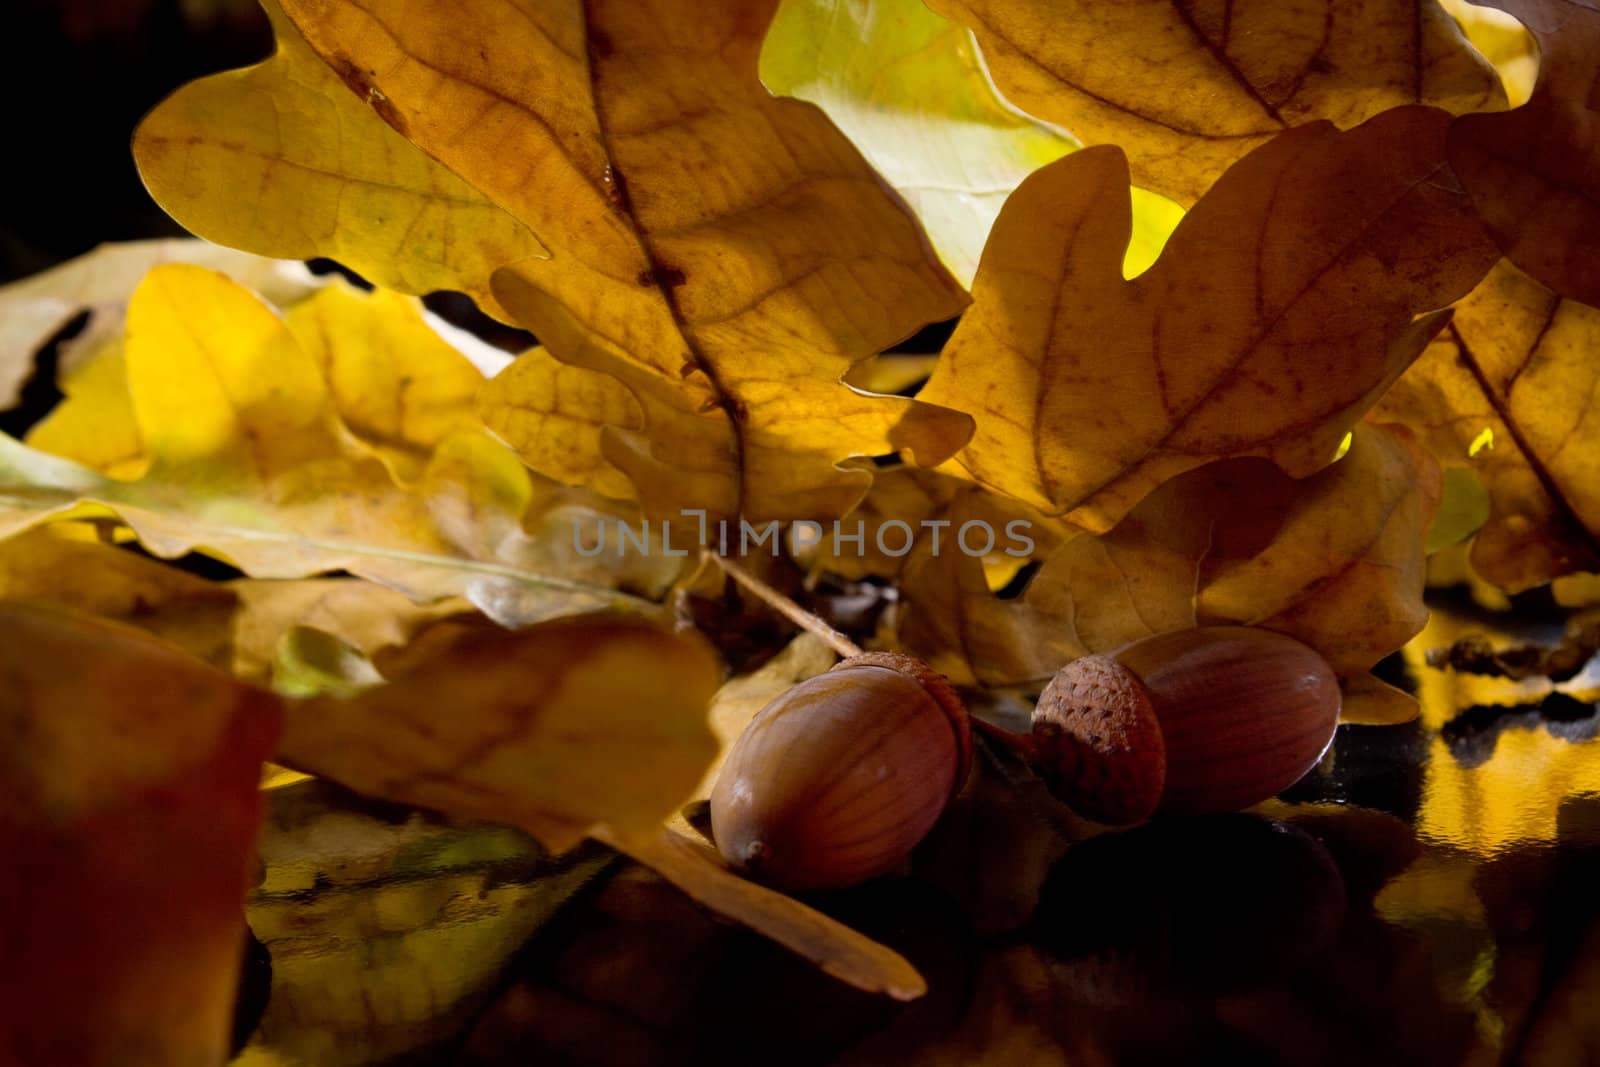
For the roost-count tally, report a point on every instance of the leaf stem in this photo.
(787, 608)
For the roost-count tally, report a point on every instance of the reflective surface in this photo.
(1430, 894)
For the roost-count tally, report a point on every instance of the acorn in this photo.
(1192, 722)
(839, 778)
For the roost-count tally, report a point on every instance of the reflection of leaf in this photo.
(388, 929)
(1234, 542)
(128, 821)
(1279, 310)
(726, 254)
(1509, 391)
(553, 729)
(247, 459)
(1187, 90)
(280, 159)
(1532, 172)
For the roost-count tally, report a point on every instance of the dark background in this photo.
(78, 76)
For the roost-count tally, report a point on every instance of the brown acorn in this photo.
(1191, 722)
(838, 779)
(835, 781)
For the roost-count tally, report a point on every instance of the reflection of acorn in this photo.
(1213, 904)
(255, 986)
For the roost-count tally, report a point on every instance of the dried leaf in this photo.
(837, 949)
(1534, 173)
(281, 159)
(552, 729)
(49, 566)
(1189, 89)
(248, 460)
(725, 254)
(911, 91)
(1508, 391)
(396, 383)
(1233, 542)
(34, 309)
(129, 821)
(1279, 311)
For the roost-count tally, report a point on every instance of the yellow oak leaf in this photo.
(95, 425)
(1534, 172)
(1188, 89)
(285, 161)
(248, 460)
(130, 814)
(1335, 560)
(726, 255)
(910, 89)
(395, 382)
(1509, 392)
(98, 282)
(553, 729)
(1280, 310)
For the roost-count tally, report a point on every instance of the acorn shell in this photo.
(838, 779)
(1191, 722)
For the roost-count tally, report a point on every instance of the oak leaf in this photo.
(553, 729)
(284, 161)
(726, 255)
(1188, 89)
(1280, 309)
(1509, 392)
(1335, 560)
(1534, 172)
(98, 282)
(911, 91)
(246, 458)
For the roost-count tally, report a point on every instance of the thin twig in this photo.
(787, 608)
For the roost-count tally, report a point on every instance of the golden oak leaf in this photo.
(1534, 173)
(1280, 309)
(726, 255)
(559, 419)
(1503, 41)
(1236, 541)
(395, 383)
(95, 425)
(1188, 89)
(129, 819)
(98, 282)
(1509, 392)
(554, 728)
(282, 160)
(248, 460)
(909, 88)
(49, 565)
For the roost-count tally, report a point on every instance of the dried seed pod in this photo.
(835, 781)
(1190, 722)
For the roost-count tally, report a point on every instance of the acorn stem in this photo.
(1023, 745)
(787, 607)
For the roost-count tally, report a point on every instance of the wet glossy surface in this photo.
(1430, 894)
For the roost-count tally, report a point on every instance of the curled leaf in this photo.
(1280, 309)
(1187, 89)
(1532, 172)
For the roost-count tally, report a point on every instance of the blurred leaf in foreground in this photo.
(128, 822)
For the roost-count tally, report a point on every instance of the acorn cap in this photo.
(1097, 742)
